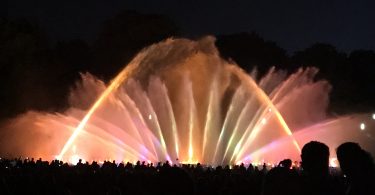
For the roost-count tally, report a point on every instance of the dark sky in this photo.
(294, 25)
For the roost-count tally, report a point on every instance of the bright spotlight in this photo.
(333, 162)
(362, 126)
(149, 117)
(373, 116)
(75, 159)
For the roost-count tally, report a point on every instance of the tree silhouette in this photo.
(37, 74)
(332, 66)
(69, 58)
(360, 79)
(249, 50)
(22, 45)
(124, 35)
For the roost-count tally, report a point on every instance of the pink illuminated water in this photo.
(179, 101)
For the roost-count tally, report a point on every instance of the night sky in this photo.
(295, 25)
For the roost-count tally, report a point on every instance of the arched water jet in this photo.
(179, 101)
(332, 132)
(193, 123)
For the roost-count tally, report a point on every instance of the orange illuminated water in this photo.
(247, 81)
(179, 101)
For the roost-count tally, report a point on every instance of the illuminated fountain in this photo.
(179, 101)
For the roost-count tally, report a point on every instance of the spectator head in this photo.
(353, 160)
(315, 158)
(287, 163)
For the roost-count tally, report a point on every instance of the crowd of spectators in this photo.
(314, 176)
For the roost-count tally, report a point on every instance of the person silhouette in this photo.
(281, 180)
(358, 166)
(315, 175)
(174, 180)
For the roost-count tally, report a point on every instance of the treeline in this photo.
(352, 75)
(37, 73)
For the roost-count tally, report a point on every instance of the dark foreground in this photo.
(42, 177)
(313, 178)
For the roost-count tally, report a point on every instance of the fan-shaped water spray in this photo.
(178, 101)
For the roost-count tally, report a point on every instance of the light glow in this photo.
(362, 126)
(264, 121)
(333, 162)
(75, 159)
